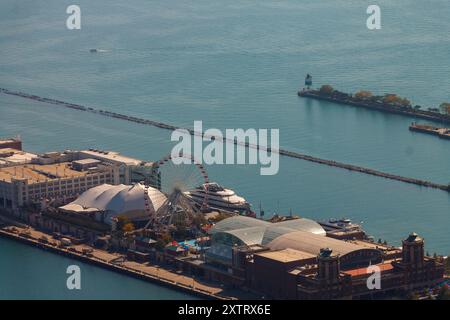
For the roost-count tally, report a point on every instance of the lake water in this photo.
(237, 64)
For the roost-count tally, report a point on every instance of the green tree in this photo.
(404, 102)
(445, 108)
(326, 89)
(166, 238)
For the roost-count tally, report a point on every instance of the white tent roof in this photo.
(116, 200)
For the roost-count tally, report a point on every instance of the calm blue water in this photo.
(239, 64)
(30, 273)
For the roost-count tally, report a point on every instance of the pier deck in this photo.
(148, 272)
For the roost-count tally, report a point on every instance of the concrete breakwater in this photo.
(347, 99)
(283, 152)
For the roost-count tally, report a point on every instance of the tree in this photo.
(444, 293)
(404, 102)
(122, 221)
(445, 108)
(159, 245)
(128, 227)
(413, 296)
(326, 89)
(393, 99)
(390, 98)
(198, 220)
(363, 95)
(166, 238)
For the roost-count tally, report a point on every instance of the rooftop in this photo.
(13, 156)
(384, 267)
(236, 223)
(111, 156)
(374, 245)
(9, 140)
(87, 161)
(312, 243)
(286, 255)
(129, 200)
(35, 173)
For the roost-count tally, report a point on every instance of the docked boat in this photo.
(343, 223)
(343, 229)
(218, 197)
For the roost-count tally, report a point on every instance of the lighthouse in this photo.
(308, 81)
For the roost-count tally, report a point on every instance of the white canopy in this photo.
(128, 200)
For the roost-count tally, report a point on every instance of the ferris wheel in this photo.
(175, 181)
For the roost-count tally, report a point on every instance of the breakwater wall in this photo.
(347, 99)
(282, 152)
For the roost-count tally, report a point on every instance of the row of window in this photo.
(62, 190)
(76, 181)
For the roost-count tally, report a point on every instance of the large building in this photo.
(31, 183)
(26, 178)
(295, 259)
(246, 232)
(131, 170)
(11, 157)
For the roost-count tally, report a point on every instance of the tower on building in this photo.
(328, 266)
(413, 250)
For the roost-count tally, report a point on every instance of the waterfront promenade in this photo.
(116, 262)
(283, 152)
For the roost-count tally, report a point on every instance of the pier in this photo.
(348, 99)
(283, 152)
(106, 260)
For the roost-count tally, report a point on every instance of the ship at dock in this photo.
(344, 229)
(219, 198)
